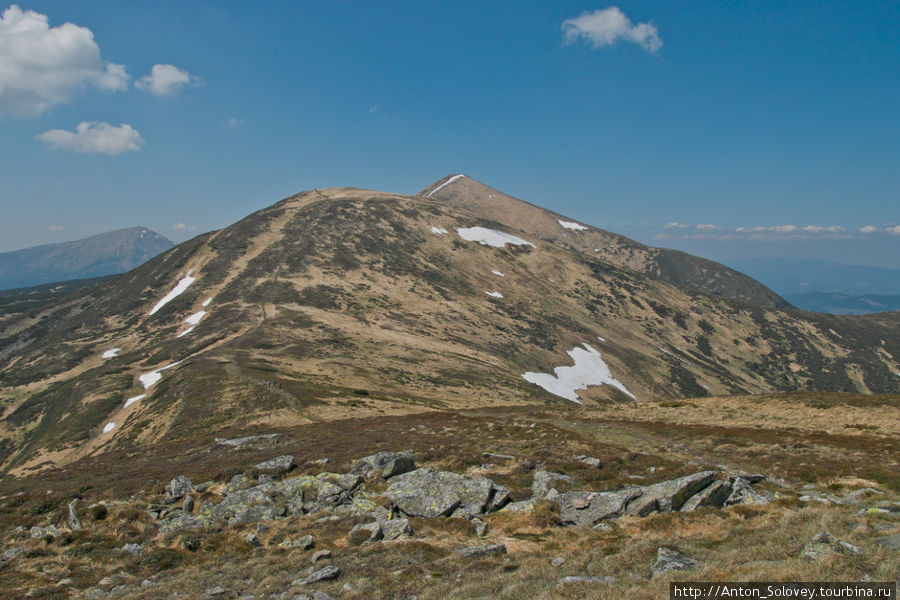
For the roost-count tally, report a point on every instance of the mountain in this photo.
(671, 266)
(843, 304)
(343, 303)
(795, 276)
(104, 254)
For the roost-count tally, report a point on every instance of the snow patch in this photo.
(134, 399)
(112, 352)
(498, 273)
(439, 231)
(186, 281)
(206, 302)
(446, 183)
(589, 369)
(571, 225)
(600, 338)
(490, 237)
(109, 427)
(195, 318)
(149, 379)
(185, 332)
(493, 294)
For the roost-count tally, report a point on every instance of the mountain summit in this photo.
(671, 266)
(347, 303)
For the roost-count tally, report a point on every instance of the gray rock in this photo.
(304, 543)
(605, 527)
(316, 595)
(253, 540)
(475, 551)
(520, 506)
(856, 496)
(188, 505)
(669, 495)
(591, 579)
(395, 528)
(147, 583)
(715, 494)
(215, 592)
(540, 485)
(589, 461)
(13, 552)
(558, 561)
(178, 487)
(95, 593)
(589, 508)
(751, 479)
(133, 549)
(481, 528)
(495, 456)
(39, 532)
(671, 560)
(74, 521)
(345, 481)
(824, 544)
(499, 498)
(237, 443)
(431, 494)
(238, 482)
(891, 542)
(371, 531)
(324, 574)
(385, 464)
(276, 466)
(742, 493)
(202, 487)
(320, 555)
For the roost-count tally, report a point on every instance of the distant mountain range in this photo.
(104, 254)
(826, 286)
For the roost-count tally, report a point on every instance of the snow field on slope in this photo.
(589, 369)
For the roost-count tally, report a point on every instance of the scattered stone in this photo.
(133, 549)
(385, 464)
(715, 494)
(13, 552)
(605, 527)
(540, 485)
(756, 478)
(237, 443)
(494, 456)
(669, 495)
(202, 487)
(253, 540)
(395, 528)
(481, 528)
(261, 528)
(304, 543)
(238, 482)
(474, 551)
(499, 498)
(742, 493)
(74, 521)
(178, 487)
(824, 544)
(520, 506)
(558, 561)
(891, 542)
(320, 555)
(43, 532)
(95, 593)
(188, 505)
(590, 461)
(672, 560)
(372, 532)
(573, 579)
(322, 461)
(856, 496)
(147, 583)
(588, 508)
(276, 466)
(215, 592)
(324, 574)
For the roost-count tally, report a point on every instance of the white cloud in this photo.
(165, 80)
(41, 66)
(895, 230)
(94, 137)
(706, 226)
(868, 229)
(55, 228)
(235, 122)
(607, 26)
(675, 225)
(183, 227)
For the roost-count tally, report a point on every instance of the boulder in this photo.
(276, 466)
(367, 532)
(520, 506)
(588, 508)
(324, 574)
(824, 544)
(589, 579)
(672, 560)
(237, 483)
(743, 493)
(304, 543)
(188, 505)
(715, 494)
(320, 555)
(132, 549)
(252, 540)
(891, 542)
(475, 551)
(74, 521)
(856, 496)
(669, 495)
(499, 499)
(178, 487)
(589, 461)
(385, 464)
(237, 443)
(431, 494)
(395, 528)
(540, 485)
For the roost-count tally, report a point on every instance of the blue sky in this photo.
(774, 125)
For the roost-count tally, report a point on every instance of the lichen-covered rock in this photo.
(304, 543)
(743, 493)
(237, 483)
(324, 574)
(520, 506)
(715, 494)
(276, 466)
(891, 542)
(669, 495)
(588, 508)
(178, 487)
(385, 464)
(671, 560)
(540, 485)
(475, 551)
(132, 549)
(396, 528)
(499, 498)
(368, 532)
(431, 494)
(824, 544)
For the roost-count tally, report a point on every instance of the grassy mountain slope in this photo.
(348, 302)
(104, 254)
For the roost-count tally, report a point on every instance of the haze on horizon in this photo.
(729, 131)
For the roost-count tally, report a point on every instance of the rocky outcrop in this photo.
(715, 494)
(672, 560)
(743, 493)
(385, 464)
(276, 466)
(542, 483)
(178, 487)
(824, 544)
(588, 508)
(431, 494)
(476, 551)
(669, 495)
